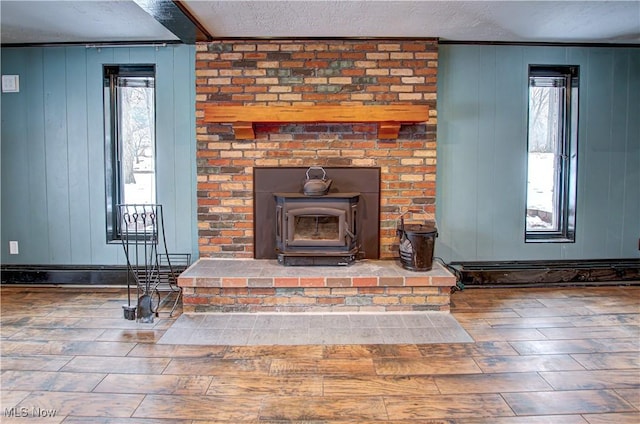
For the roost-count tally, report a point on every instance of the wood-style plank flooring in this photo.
(553, 355)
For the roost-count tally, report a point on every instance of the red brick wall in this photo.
(304, 299)
(286, 72)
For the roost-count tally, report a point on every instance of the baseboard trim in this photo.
(470, 274)
(548, 273)
(99, 275)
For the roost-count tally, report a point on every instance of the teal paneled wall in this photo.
(53, 191)
(482, 141)
(53, 152)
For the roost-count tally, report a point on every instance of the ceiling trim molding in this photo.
(302, 38)
(104, 44)
(438, 40)
(537, 43)
(176, 19)
(435, 39)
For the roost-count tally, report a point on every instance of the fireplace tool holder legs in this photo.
(152, 271)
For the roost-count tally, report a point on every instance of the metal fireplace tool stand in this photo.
(152, 270)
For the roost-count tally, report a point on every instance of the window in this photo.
(552, 154)
(129, 122)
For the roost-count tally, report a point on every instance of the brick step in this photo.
(248, 285)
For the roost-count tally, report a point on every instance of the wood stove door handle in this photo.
(279, 223)
(348, 231)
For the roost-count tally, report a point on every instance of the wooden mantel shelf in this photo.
(388, 117)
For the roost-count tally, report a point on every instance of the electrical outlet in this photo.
(13, 248)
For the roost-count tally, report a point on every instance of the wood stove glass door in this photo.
(316, 226)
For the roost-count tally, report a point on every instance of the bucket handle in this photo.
(317, 168)
(401, 217)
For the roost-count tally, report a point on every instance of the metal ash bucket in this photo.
(416, 246)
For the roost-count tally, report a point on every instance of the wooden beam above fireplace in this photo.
(388, 117)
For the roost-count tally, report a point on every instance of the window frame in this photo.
(114, 188)
(565, 179)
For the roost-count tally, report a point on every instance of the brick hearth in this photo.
(238, 285)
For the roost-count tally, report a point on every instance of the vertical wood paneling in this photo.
(617, 149)
(53, 189)
(123, 55)
(631, 200)
(14, 149)
(486, 153)
(457, 193)
(76, 94)
(184, 151)
(595, 153)
(165, 148)
(56, 151)
(509, 196)
(46, 132)
(36, 244)
(482, 165)
(579, 56)
(443, 247)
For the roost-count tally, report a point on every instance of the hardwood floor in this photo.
(561, 355)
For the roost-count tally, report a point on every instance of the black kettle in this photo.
(316, 185)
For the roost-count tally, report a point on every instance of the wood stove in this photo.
(361, 184)
(317, 230)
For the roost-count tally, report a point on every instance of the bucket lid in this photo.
(420, 228)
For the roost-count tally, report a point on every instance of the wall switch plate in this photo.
(10, 83)
(13, 248)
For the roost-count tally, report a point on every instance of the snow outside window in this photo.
(552, 154)
(129, 102)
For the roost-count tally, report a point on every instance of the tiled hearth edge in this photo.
(219, 285)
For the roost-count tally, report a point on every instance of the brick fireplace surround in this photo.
(310, 72)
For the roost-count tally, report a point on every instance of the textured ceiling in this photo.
(77, 21)
(503, 21)
(510, 21)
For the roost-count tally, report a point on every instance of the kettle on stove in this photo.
(316, 184)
